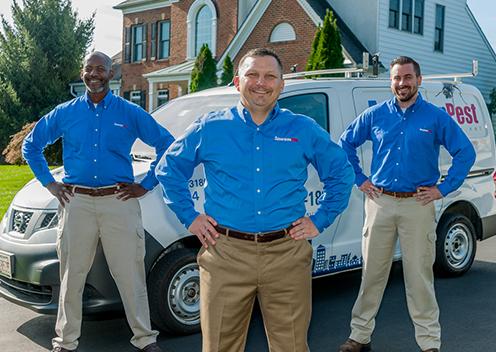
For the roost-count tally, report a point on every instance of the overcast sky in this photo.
(108, 30)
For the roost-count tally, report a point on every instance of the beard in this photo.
(404, 98)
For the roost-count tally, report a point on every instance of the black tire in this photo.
(174, 293)
(455, 246)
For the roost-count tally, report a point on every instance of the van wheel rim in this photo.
(184, 295)
(458, 246)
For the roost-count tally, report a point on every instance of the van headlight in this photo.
(47, 220)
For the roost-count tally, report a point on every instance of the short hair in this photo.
(261, 52)
(403, 60)
(105, 57)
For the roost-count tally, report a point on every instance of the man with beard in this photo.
(98, 197)
(406, 133)
(255, 231)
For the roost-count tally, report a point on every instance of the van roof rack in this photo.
(347, 72)
(455, 76)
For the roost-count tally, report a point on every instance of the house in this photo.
(161, 38)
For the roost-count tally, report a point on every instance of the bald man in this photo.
(98, 197)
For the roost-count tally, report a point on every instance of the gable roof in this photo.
(316, 10)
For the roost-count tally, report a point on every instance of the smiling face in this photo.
(404, 84)
(96, 74)
(259, 82)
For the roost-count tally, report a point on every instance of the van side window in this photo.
(313, 105)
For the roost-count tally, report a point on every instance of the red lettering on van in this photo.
(464, 114)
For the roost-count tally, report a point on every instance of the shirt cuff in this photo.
(320, 222)
(46, 179)
(149, 183)
(360, 179)
(189, 218)
(444, 189)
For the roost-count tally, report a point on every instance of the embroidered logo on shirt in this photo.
(425, 130)
(285, 139)
(120, 125)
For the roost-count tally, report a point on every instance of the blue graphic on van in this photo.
(322, 266)
(372, 103)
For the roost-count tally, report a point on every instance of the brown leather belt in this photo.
(256, 237)
(399, 194)
(95, 192)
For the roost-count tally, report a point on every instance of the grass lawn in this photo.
(12, 178)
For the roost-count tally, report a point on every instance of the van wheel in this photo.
(174, 292)
(455, 245)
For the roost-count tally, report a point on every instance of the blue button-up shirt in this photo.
(405, 146)
(97, 141)
(255, 174)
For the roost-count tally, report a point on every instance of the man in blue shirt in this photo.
(406, 133)
(254, 231)
(98, 197)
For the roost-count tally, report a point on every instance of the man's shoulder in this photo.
(295, 118)
(217, 116)
(379, 108)
(70, 104)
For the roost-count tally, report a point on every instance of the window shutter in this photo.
(153, 41)
(145, 27)
(127, 95)
(143, 99)
(127, 45)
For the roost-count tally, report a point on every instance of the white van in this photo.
(28, 261)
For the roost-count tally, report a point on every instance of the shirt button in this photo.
(258, 190)
(259, 212)
(97, 115)
(258, 169)
(397, 163)
(258, 128)
(95, 176)
(96, 129)
(395, 180)
(399, 148)
(94, 160)
(95, 145)
(258, 148)
(401, 132)
(404, 118)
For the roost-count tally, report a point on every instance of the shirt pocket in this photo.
(119, 138)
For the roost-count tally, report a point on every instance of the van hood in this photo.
(34, 196)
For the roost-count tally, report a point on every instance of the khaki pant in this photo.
(234, 272)
(388, 218)
(117, 224)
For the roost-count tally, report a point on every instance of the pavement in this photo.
(467, 317)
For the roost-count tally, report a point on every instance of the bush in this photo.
(13, 152)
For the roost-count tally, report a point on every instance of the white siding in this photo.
(463, 42)
(361, 18)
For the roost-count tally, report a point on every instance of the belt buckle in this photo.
(257, 234)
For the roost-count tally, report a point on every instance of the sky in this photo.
(108, 24)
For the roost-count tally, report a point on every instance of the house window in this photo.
(162, 97)
(406, 16)
(202, 27)
(203, 33)
(164, 40)
(394, 14)
(138, 42)
(418, 19)
(283, 32)
(439, 29)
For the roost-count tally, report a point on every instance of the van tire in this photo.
(455, 246)
(174, 292)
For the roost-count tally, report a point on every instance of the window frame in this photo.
(406, 15)
(135, 44)
(191, 27)
(395, 13)
(161, 40)
(419, 17)
(439, 45)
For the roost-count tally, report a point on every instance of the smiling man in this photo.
(98, 197)
(406, 134)
(254, 231)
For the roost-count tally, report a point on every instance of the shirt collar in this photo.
(105, 101)
(245, 115)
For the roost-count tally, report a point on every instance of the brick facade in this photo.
(291, 52)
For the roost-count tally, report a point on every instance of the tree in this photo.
(227, 72)
(313, 50)
(40, 53)
(326, 48)
(203, 75)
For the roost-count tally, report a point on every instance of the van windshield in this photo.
(178, 114)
